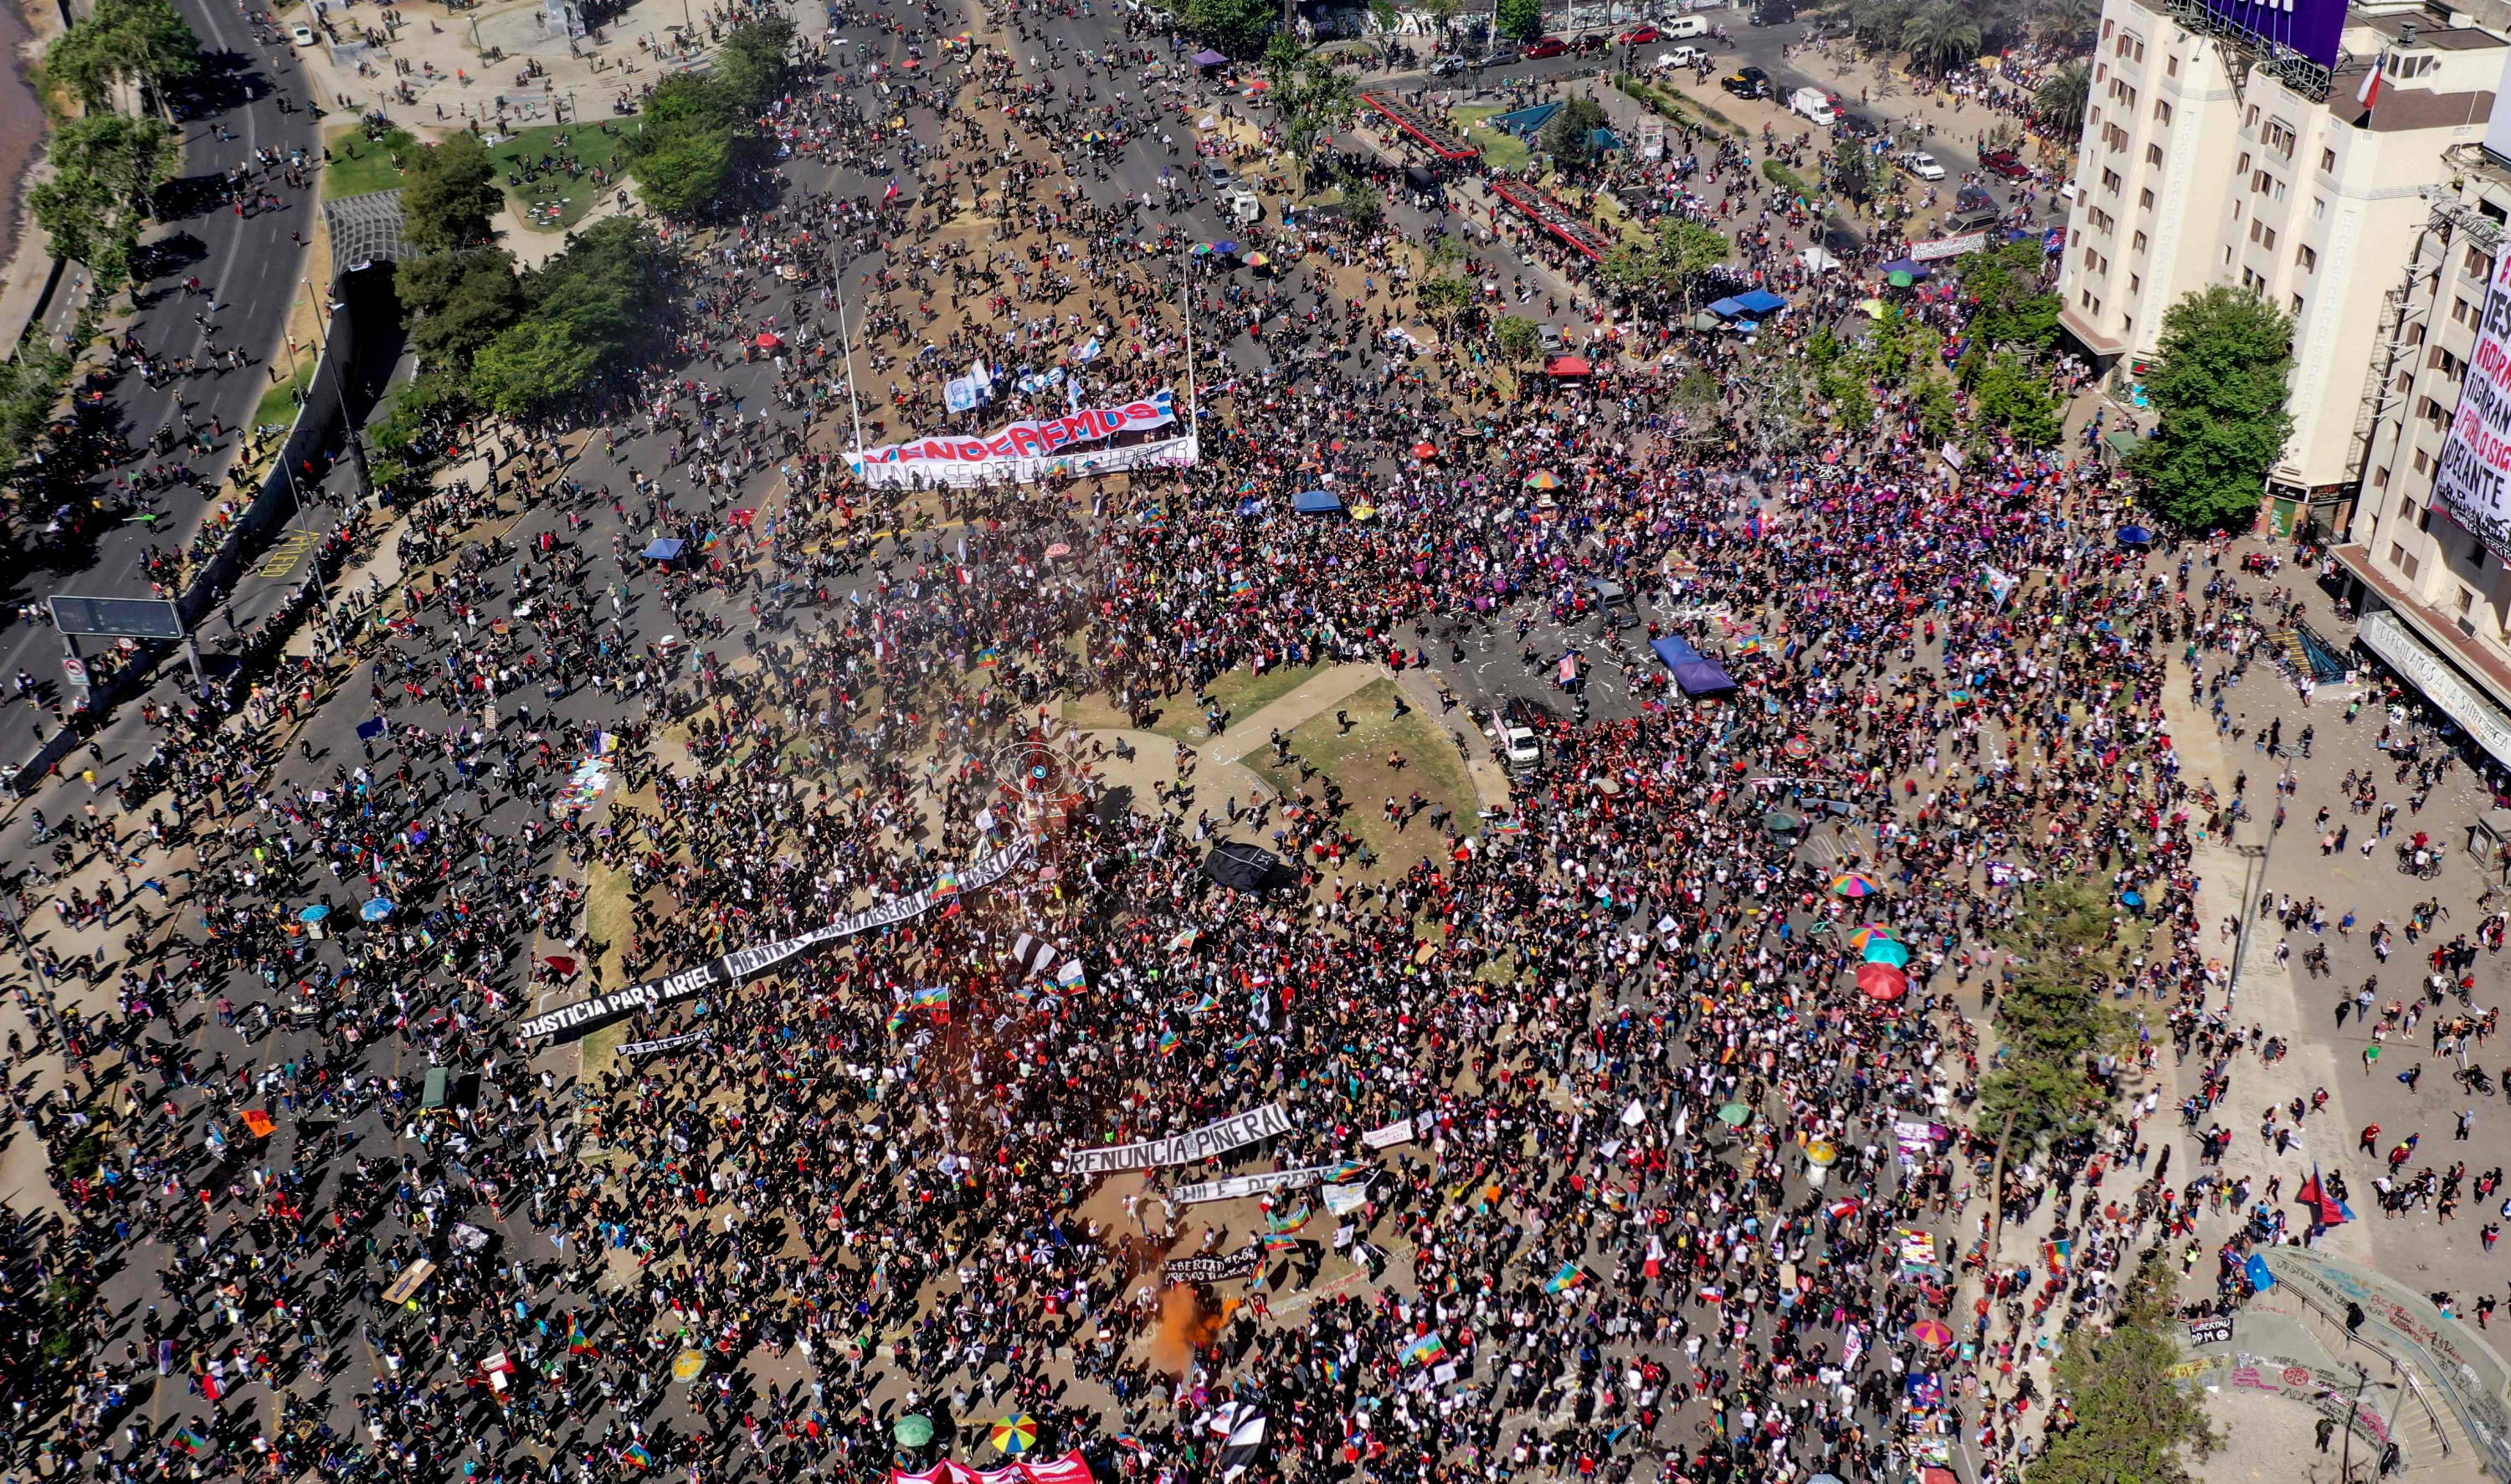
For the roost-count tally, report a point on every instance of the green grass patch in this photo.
(279, 404)
(358, 166)
(1786, 179)
(1502, 150)
(565, 166)
(1685, 110)
(1241, 693)
(1359, 761)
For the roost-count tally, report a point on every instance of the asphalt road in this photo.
(250, 266)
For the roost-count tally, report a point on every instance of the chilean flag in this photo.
(2369, 94)
(2332, 1211)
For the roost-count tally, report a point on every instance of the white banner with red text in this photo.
(1026, 453)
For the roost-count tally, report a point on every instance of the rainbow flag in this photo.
(192, 1443)
(578, 1343)
(947, 885)
(987, 659)
(933, 997)
(1428, 1351)
(638, 1455)
(1568, 1278)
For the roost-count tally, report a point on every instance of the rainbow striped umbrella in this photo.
(1853, 885)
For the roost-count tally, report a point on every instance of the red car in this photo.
(1548, 45)
(1640, 36)
(2004, 162)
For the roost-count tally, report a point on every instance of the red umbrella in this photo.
(1881, 981)
(767, 340)
(1424, 451)
(1934, 1333)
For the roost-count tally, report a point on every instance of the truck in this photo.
(1814, 104)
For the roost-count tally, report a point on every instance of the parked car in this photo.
(1500, 57)
(2006, 163)
(1641, 35)
(1549, 337)
(1548, 45)
(1680, 56)
(1217, 176)
(1751, 81)
(1446, 66)
(1773, 12)
(1973, 209)
(1922, 165)
(1682, 26)
(301, 34)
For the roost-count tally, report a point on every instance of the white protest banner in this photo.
(1030, 450)
(1236, 1132)
(749, 963)
(2473, 484)
(1344, 1199)
(1947, 246)
(1401, 1131)
(667, 1043)
(1230, 1188)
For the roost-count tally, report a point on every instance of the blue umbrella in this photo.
(376, 911)
(1225, 249)
(314, 913)
(665, 549)
(2135, 535)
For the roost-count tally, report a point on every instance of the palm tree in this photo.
(2068, 23)
(2063, 98)
(1940, 35)
(1878, 23)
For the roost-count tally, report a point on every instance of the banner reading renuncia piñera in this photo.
(1031, 450)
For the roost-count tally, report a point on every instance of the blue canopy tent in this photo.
(1760, 302)
(1728, 308)
(1525, 123)
(665, 549)
(1317, 502)
(1694, 672)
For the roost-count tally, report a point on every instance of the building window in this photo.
(2243, 168)
(2406, 507)
(2380, 478)
(2137, 242)
(2135, 285)
(2144, 199)
(2112, 182)
(2174, 68)
(2280, 138)
(2307, 257)
(2423, 463)
(2154, 155)
(2461, 313)
(2403, 559)
(2297, 306)
(2162, 113)
(2327, 160)
(2476, 266)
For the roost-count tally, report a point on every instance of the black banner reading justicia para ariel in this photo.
(749, 963)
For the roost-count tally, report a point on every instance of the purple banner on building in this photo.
(2309, 28)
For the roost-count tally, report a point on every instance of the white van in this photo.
(1681, 26)
(1814, 104)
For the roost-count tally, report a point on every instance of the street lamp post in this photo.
(36, 1004)
(2345, 1458)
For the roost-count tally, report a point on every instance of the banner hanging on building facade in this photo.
(749, 963)
(2473, 485)
(1031, 450)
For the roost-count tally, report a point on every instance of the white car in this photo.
(301, 34)
(1680, 56)
(1922, 166)
(1521, 747)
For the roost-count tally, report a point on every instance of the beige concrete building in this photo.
(2435, 602)
(2202, 166)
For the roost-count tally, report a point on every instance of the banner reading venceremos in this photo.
(1027, 451)
(750, 962)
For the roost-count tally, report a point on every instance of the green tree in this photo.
(106, 169)
(689, 147)
(458, 302)
(2132, 1420)
(1520, 20)
(2014, 395)
(1878, 23)
(1853, 171)
(1671, 262)
(449, 197)
(2009, 305)
(1569, 137)
(1941, 35)
(1364, 205)
(2218, 380)
(532, 366)
(1235, 28)
(751, 64)
(1931, 403)
(1445, 296)
(1517, 335)
(31, 385)
(2063, 98)
(1314, 97)
(146, 42)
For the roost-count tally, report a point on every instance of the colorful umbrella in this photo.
(1425, 451)
(1888, 950)
(1258, 260)
(1868, 933)
(1933, 1333)
(1543, 478)
(1853, 885)
(1015, 1435)
(1881, 981)
(913, 1430)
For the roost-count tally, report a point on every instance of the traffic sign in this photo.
(74, 670)
(117, 618)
